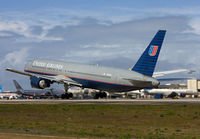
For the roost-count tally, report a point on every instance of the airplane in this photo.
(46, 93)
(43, 72)
(171, 93)
(9, 95)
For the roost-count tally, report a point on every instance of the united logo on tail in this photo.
(152, 50)
(147, 62)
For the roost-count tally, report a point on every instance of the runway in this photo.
(107, 101)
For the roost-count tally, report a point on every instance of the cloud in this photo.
(100, 45)
(90, 39)
(194, 23)
(4, 34)
(23, 29)
(90, 55)
(96, 41)
(15, 58)
(18, 27)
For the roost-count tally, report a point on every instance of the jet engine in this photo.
(39, 83)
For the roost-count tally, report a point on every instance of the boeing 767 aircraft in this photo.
(44, 72)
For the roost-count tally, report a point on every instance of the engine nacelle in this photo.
(39, 83)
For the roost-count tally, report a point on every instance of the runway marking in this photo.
(108, 101)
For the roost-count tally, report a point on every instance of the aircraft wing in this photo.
(162, 73)
(59, 78)
(19, 72)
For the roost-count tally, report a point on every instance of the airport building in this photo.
(194, 84)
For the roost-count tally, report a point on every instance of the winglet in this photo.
(147, 62)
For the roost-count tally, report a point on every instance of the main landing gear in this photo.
(100, 94)
(66, 95)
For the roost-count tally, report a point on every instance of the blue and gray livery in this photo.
(44, 72)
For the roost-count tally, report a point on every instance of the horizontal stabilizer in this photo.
(173, 79)
(162, 73)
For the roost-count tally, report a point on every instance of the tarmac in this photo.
(195, 101)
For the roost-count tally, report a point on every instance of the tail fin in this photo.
(147, 62)
(0, 89)
(18, 87)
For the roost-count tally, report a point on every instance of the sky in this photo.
(105, 32)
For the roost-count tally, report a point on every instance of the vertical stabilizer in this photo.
(18, 87)
(147, 62)
(0, 89)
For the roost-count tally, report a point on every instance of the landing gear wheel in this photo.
(70, 95)
(97, 95)
(100, 95)
(65, 96)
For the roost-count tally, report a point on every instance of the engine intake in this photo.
(39, 83)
